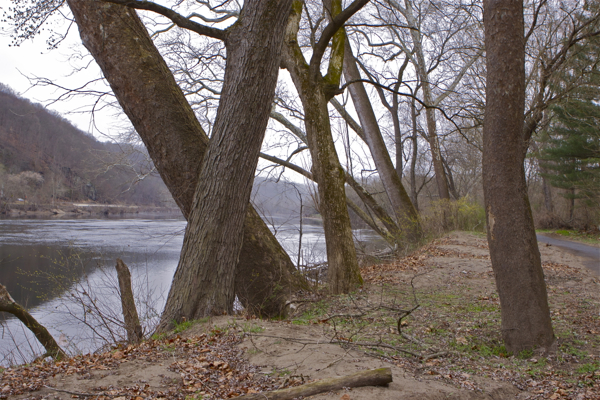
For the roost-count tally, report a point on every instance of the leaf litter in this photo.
(434, 315)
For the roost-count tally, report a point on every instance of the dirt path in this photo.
(449, 346)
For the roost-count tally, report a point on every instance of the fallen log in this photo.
(7, 304)
(130, 315)
(373, 377)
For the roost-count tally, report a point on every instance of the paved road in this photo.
(579, 249)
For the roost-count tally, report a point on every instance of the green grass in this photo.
(492, 351)
(588, 368)
(315, 312)
(182, 326)
(525, 354)
(185, 325)
(569, 349)
(252, 328)
(158, 336)
(169, 347)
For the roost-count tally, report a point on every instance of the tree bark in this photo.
(373, 377)
(526, 322)
(415, 152)
(130, 315)
(204, 280)
(432, 137)
(314, 90)
(161, 115)
(404, 210)
(7, 304)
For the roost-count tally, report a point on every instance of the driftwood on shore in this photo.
(7, 304)
(130, 315)
(373, 377)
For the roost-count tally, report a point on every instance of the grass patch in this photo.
(588, 368)
(182, 326)
(158, 336)
(252, 328)
(591, 238)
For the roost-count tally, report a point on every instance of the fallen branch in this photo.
(374, 377)
(7, 304)
(436, 355)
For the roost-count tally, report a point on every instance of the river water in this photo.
(63, 271)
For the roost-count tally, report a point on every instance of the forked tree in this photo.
(177, 144)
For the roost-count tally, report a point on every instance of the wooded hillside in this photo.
(44, 159)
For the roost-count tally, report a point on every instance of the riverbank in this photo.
(65, 209)
(448, 347)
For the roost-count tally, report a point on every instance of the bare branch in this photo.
(174, 16)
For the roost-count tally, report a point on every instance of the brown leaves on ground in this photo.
(209, 366)
(452, 337)
(459, 316)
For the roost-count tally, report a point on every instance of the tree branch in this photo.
(177, 18)
(337, 22)
(287, 164)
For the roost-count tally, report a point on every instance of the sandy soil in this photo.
(450, 346)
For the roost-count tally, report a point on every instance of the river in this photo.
(63, 271)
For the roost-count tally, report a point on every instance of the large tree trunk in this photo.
(513, 246)
(149, 95)
(343, 272)
(404, 210)
(204, 280)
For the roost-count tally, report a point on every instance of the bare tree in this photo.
(315, 91)
(175, 139)
(403, 208)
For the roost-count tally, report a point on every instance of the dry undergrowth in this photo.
(449, 321)
(434, 314)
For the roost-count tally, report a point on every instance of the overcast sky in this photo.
(33, 59)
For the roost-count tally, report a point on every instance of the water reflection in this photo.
(55, 266)
(63, 271)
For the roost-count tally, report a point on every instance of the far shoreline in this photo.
(79, 209)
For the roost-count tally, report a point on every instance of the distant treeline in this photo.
(44, 159)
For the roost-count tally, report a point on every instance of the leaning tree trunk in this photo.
(513, 246)
(7, 304)
(343, 272)
(432, 136)
(404, 210)
(161, 115)
(204, 280)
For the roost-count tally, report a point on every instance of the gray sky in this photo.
(33, 59)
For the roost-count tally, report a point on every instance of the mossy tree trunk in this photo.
(315, 91)
(160, 113)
